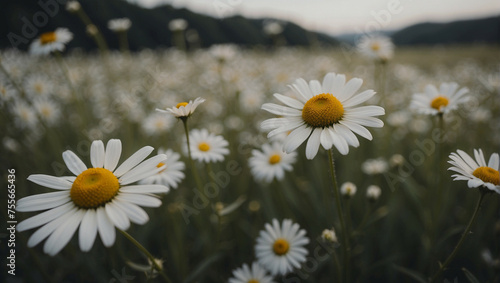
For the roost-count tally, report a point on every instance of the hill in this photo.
(22, 20)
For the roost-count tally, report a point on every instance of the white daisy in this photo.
(329, 235)
(156, 123)
(47, 110)
(183, 109)
(51, 41)
(476, 172)
(97, 199)
(119, 25)
(177, 25)
(441, 101)
(373, 192)
(374, 166)
(280, 248)
(271, 162)
(348, 189)
(255, 274)
(376, 47)
(324, 114)
(207, 147)
(172, 175)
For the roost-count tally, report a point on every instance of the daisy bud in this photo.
(329, 236)
(348, 189)
(373, 193)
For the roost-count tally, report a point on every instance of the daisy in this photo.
(207, 147)
(97, 199)
(348, 189)
(323, 114)
(329, 235)
(373, 192)
(172, 175)
(119, 25)
(280, 248)
(376, 47)
(177, 25)
(51, 41)
(374, 166)
(47, 110)
(156, 123)
(271, 162)
(441, 101)
(183, 109)
(255, 274)
(476, 172)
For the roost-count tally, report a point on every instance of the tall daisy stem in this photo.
(193, 167)
(462, 239)
(148, 254)
(344, 233)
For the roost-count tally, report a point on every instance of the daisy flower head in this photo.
(271, 162)
(172, 173)
(51, 41)
(207, 147)
(184, 109)
(440, 101)
(119, 25)
(96, 199)
(323, 114)
(280, 247)
(254, 274)
(348, 189)
(373, 192)
(376, 47)
(476, 171)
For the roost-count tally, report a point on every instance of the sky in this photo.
(342, 16)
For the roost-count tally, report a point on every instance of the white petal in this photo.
(105, 227)
(303, 88)
(73, 162)
(135, 213)
(289, 101)
(494, 161)
(97, 154)
(326, 139)
(63, 234)
(315, 87)
(296, 138)
(88, 230)
(113, 152)
(48, 228)
(42, 201)
(56, 183)
(281, 110)
(347, 135)
(313, 143)
(358, 129)
(142, 200)
(339, 142)
(359, 98)
(349, 89)
(117, 216)
(328, 83)
(44, 217)
(133, 160)
(143, 170)
(144, 189)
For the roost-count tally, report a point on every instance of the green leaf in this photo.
(411, 273)
(470, 276)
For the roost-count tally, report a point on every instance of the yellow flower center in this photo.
(47, 37)
(281, 246)
(160, 165)
(487, 174)
(275, 158)
(181, 104)
(253, 281)
(375, 46)
(94, 187)
(322, 110)
(439, 102)
(204, 146)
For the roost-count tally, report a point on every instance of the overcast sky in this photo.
(340, 16)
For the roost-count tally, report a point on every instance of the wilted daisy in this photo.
(172, 173)
(348, 189)
(119, 25)
(441, 101)
(280, 248)
(255, 274)
(183, 109)
(323, 114)
(207, 147)
(476, 172)
(271, 162)
(98, 199)
(376, 47)
(51, 41)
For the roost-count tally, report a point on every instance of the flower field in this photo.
(360, 193)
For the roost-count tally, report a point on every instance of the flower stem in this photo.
(193, 167)
(461, 241)
(345, 237)
(146, 253)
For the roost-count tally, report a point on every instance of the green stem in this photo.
(193, 166)
(345, 238)
(462, 239)
(148, 254)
